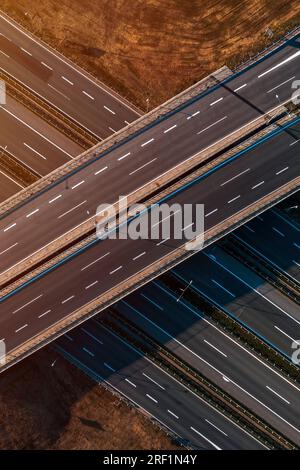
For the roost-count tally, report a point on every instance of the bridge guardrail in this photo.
(144, 276)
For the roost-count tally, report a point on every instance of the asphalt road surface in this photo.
(277, 240)
(198, 341)
(61, 82)
(239, 291)
(107, 358)
(8, 186)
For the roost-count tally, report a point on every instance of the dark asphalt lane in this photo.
(61, 82)
(234, 186)
(96, 349)
(33, 142)
(276, 239)
(246, 296)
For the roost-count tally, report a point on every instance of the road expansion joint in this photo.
(193, 380)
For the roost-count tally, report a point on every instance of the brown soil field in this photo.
(44, 407)
(154, 48)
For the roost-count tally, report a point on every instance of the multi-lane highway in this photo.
(243, 180)
(235, 288)
(107, 263)
(195, 339)
(8, 186)
(108, 358)
(276, 239)
(32, 141)
(223, 110)
(61, 82)
(156, 150)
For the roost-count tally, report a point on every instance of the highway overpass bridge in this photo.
(98, 273)
(189, 130)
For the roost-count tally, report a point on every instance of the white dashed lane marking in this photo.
(88, 95)
(67, 80)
